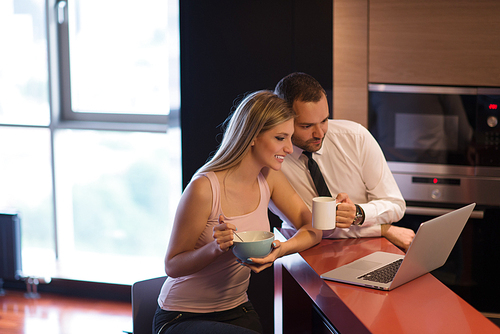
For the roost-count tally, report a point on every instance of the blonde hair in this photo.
(257, 113)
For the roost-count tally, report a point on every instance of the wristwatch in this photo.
(359, 219)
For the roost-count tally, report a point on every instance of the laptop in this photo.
(429, 250)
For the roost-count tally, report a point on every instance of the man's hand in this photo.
(346, 211)
(399, 236)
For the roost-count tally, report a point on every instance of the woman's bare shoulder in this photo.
(199, 188)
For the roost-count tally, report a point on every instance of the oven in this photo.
(442, 145)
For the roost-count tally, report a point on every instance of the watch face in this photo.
(359, 216)
(358, 212)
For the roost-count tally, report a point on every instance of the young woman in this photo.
(205, 291)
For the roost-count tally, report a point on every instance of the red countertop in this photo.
(424, 305)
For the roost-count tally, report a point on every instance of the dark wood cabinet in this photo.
(440, 42)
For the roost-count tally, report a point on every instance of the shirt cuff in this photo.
(369, 211)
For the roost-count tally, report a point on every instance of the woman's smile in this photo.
(280, 158)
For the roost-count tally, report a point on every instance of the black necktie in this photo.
(319, 181)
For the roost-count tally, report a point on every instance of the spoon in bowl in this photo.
(221, 220)
(238, 236)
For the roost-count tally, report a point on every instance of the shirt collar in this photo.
(297, 151)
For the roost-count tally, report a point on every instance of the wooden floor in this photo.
(58, 314)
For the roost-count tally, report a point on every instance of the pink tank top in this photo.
(223, 284)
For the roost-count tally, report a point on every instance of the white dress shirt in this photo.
(351, 162)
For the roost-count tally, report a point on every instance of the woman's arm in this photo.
(191, 217)
(291, 205)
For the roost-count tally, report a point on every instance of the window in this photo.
(26, 187)
(23, 64)
(89, 134)
(116, 195)
(116, 59)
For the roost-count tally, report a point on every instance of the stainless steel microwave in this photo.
(442, 143)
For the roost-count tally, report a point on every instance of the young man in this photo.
(352, 164)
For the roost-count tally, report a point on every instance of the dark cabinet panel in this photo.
(229, 48)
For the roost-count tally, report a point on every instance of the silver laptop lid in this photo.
(432, 244)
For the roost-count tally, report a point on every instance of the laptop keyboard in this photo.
(384, 274)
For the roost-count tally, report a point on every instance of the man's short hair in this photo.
(299, 86)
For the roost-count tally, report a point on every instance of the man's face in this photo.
(311, 124)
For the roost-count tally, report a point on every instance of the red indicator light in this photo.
(435, 181)
(494, 106)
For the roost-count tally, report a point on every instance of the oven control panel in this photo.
(445, 189)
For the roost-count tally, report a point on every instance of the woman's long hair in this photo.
(257, 112)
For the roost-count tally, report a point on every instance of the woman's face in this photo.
(271, 147)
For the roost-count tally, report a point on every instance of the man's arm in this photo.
(399, 236)
(385, 202)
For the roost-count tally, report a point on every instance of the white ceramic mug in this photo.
(324, 211)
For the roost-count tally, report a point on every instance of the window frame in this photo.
(63, 115)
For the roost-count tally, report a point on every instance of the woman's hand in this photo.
(223, 235)
(259, 264)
